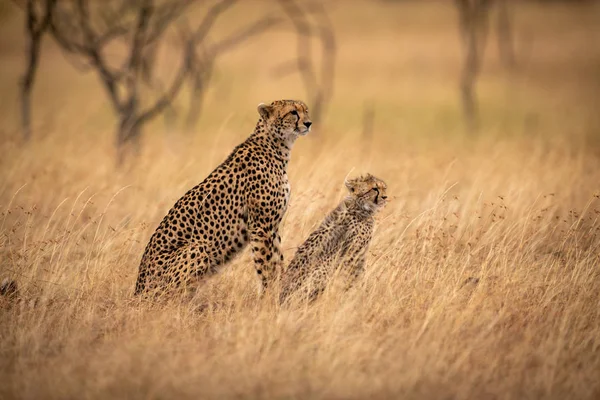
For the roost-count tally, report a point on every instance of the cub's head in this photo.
(370, 192)
(287, 119)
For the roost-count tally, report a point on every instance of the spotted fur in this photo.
(339, 246)
(242, 201)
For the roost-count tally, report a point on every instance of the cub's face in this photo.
(369, 191)
(288, 118)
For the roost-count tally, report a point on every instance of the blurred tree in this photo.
(311, 21)
(505, 34)
(85, 28)
(37, 22)
(474, 16)
(473, 24)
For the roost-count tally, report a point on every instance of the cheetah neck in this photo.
(358, 209)
(280, 147)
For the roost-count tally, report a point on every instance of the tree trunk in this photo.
(27, 82)
(196, 104)
(474, 29)
(505, 39)
(467, 82)
(128, 135)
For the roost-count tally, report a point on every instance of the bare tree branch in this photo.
(93, 52)
(199, 67)
(202, 63)
(166, 98)
(165, 14)
(328, 49)
(303, 43)
(244, 34)
(318, 86)
(210, 18)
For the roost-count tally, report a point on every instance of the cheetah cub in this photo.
(341, 240)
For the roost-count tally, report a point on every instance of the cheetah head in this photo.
(287, 119)
(369, 191)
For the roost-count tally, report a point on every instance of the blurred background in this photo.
(75, 70)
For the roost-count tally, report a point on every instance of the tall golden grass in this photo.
(482, 280)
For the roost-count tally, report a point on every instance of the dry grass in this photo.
(516, 208)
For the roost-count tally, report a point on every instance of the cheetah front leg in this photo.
(266, 251)
(354, 265)
(277, 255)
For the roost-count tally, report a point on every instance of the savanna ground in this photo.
(516, 207)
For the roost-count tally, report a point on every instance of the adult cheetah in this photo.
(243, 200)
(342, 240)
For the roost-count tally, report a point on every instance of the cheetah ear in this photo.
(349, 185)
(264, 110)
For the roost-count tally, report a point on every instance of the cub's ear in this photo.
(264, 110)
(350, 185)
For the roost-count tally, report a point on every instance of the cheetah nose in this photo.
(308, 124)
(384, 197)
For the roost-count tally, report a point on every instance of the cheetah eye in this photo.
(294, 112)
